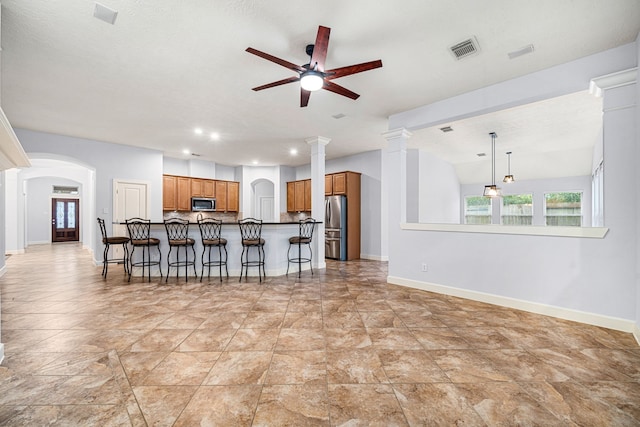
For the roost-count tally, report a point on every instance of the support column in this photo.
(317, 196)
(395, 178)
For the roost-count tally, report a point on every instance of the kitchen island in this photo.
(275, 234)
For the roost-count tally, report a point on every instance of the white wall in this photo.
(597, 278)
(251, 174)
(110, 161)
(369, 164)
(439, 190)
(39, 195)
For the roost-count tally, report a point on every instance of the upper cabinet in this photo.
(177, 192)
(169, 193)
(202, 187)
(299, 196)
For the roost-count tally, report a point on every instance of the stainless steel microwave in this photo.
(203, 204)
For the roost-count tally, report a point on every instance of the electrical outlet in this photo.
(424, 266)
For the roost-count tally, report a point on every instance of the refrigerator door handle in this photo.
(327, 211)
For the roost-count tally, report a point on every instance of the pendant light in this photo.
(492, 190)
(509, 178)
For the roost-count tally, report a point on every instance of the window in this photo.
(563, 209)
(517, 209)
(477, 210)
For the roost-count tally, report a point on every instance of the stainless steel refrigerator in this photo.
(335, 231)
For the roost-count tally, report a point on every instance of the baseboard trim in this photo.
(3, 270)
(615, 323)
(14, 251)
(38, 242)
(374, 257)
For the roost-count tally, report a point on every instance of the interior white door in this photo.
(130, 200)
(266, 209)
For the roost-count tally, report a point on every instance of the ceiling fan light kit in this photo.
(313, 76)
(311, 81)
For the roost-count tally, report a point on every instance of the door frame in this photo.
(118, 182)
(51, 213)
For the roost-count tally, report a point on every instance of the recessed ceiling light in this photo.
(185, 151)
(215, 136)
(198, 131)
(255, 162)
(293, 152)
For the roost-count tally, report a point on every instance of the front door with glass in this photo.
(64, 221)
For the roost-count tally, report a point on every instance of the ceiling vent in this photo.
(446, 129)
(522, 51)
(465, 48)
(105, 14)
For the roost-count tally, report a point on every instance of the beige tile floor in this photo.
(339, 348)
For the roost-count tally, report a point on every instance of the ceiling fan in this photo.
(313, 76)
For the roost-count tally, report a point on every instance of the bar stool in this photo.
(140, 234)
(178, 237)
(251, 235)
(210, 231)
(113, 240)
(305, 234)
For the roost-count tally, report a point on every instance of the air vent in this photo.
(465, 48)
(195, 154)
(105, 14)
(339, 116)
(446, 129)
(481, 154)
(522, 51)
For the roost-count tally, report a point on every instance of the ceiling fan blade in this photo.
(352, 69)
(332, 87)
(286, 64)
(278, 83)
(304, 97)
(320, 48)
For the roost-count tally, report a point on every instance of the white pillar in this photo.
(317, 196)
(395, 175)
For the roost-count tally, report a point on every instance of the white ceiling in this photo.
(166, 67)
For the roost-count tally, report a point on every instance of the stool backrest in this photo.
(177, 228)
(103, 229)
(306, 228)
(138, 228)
(210, 228)
(250, 228)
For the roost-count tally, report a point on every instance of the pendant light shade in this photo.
(509, 178)
(492, 190)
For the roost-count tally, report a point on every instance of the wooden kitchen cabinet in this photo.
(307, 195)
(221, 196)
(203, 187)
(177, 192)
(184, 193)
(233, 196)
(348, 184)
(169, 193)
(339, 183)
(227, 196)
(299, 196)
(328, 185)
(291, 196)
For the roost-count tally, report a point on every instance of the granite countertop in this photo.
(232, 223)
